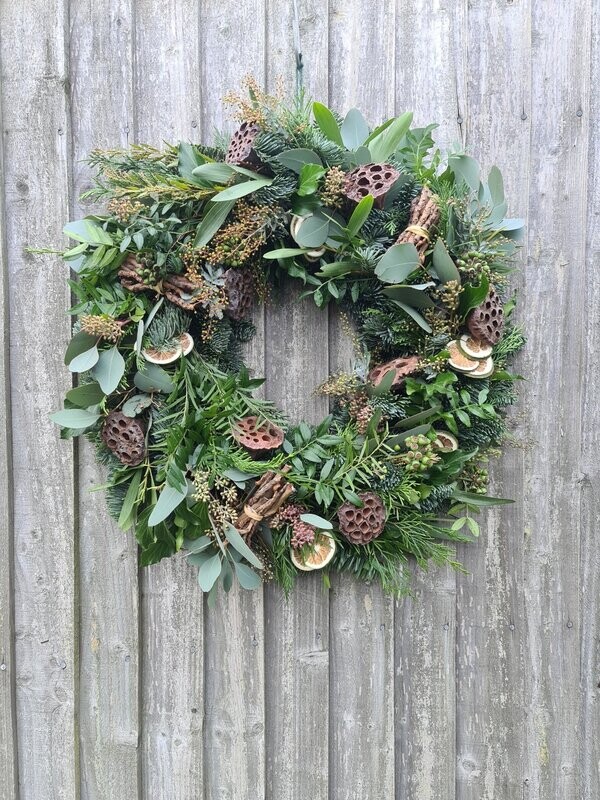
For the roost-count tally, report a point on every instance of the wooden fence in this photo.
(117, 683)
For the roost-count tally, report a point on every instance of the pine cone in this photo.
(362, 525)
(373, 179)
(401, 366)
(487, 320)
(257, 436)
(125, 437)
(241, 147)
(424, 215)
(239, 286)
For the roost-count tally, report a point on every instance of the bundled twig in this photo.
(424, 215)
(270, 493)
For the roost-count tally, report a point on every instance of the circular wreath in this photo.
(414, 249)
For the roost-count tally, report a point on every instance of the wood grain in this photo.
(296, 630)
(555, 297)
(166, 102)
(234, 706)
(361, 618)
(480, 687)
(490, 597)
(8, 721)
(102, 114)
(36, 163)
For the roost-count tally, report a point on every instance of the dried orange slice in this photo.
(187, 343)
(459, 361)
(445, 441)
(163, 356)
(474, 348)
(484, 369)
(318, 555)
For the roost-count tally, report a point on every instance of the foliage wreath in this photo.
(416, 253)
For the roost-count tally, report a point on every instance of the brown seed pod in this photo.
(373, 179)
(487, 320)
(403, 366)
(239, 286)
(125, 437)
(362, 525)
(257, 436)
(241, 147)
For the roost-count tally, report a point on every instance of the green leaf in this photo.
(84, 396)
(213, 172)
(154, 379)
(397, 263)
(246, 576)
(198, 545)
(360, 214)
(385, 384)
(235, 540)
(354, 129)
(79, 344)
(209, 572)
(126, 515)
(353, 498)
(76, 418)
(85, 361)
(317, 522)
(313, 231)
(472, 296)
(310, 175)
(465, 168)
(385, 143)
(110, 369)
(512, 228)
(85, 230)
(283, 252)
(421, 321)
(445, 268)
(496, 186)
(136, 404)
(327, 124)
(474, 499)
(188, 159)
(296, 158)
(213, 219)
(167, 502)
(410, 295)
(241, 190)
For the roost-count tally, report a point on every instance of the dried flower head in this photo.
(103, 326)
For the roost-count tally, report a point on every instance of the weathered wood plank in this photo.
(362, 61)
(555, 299)
(8, 721)
(36, 138)
(430, 81)
(590, 464)
(297, 629)
(167, 99)
(102, 114)
(234, 742)
(489, 676)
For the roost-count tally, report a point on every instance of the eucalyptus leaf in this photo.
(466, 169)
(136, 404)
(473, 499)
(85, 361)
(354, 129)
(296, 158)
(79, 344)
(235, 540)
(188, 158)
(154, 379)
(420, 320)
(213, 172)
(283, 252)
(246, 576)
(90, 394)
(110, 369)
(127, 509)
(76, 418)
(496, 186)
(317, 522)
(313, 231)
(397, 263)
(360, 214)
(445, 268)
(410, 295)
(209, 572)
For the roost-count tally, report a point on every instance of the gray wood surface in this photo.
(118, 683)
